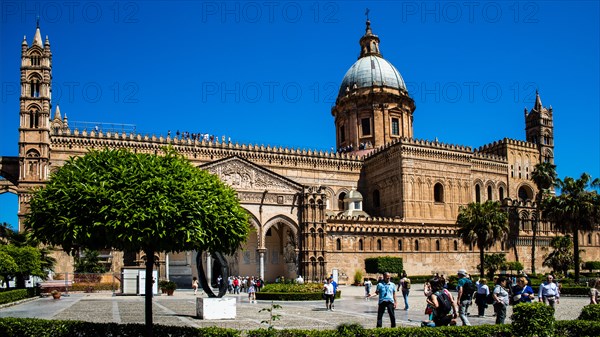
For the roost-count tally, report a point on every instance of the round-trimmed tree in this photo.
(137, 202)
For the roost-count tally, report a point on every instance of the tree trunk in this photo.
(148, 286)
(481, 258)
(576, 252)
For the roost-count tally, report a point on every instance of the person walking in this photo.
(405, 287)
(521, 292)
(329, 292)
(549, 293)
(595, 291)
(368, 284)
(465, 290)
(387, 300)
(481, 297)
(195, 285)
(252, 291)
(501, 299)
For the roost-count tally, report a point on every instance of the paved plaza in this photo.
(180, 310)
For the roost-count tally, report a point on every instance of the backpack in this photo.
(444, 304)
(490, 298)
(406, 283)
(468, 289)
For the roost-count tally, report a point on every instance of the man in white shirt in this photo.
(549, 292)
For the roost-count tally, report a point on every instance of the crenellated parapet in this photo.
(202, 150)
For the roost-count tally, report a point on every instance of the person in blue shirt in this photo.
(387, 300)
(335, 285)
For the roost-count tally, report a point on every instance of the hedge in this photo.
(54, 328)
(276, 296)
(590, 312)
(382, 264)
(17, 295)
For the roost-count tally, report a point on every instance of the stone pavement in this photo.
(180, 310)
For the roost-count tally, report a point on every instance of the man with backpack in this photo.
(444, 306)
(465, 288)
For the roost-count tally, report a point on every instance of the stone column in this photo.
(261, 262)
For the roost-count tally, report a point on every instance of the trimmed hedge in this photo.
(577, 328)
(54, 328)
(382, 264)
(17, 295)
(590, 312)
(276, 296)
(533, 319)
(454, 331)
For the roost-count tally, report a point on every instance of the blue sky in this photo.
(268, 72)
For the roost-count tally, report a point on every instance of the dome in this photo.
(353, 195)
(371, 71)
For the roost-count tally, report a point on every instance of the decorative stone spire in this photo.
(57, 113)
(369, 43)
(37, 39)
(538, 102)
(47, 43)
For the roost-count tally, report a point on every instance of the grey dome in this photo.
(370, 71)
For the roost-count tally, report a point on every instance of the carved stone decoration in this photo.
(243, 175)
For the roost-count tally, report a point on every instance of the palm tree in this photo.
(575, 209)
(544, 177)
(561, 258)
(482, 225)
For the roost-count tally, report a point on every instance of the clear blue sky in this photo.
(268, 72)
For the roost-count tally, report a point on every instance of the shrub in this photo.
(293, 288)
(577, 328)
(358, 277)
(378, 265)
(350, 330)
(16, 295)
(590, 312)
(591, 265)
(533, 319)
(279, 296)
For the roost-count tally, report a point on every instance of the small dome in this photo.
(371, 71)
(353, 195)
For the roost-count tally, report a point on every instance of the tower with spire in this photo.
(539, 129)
(34, 111)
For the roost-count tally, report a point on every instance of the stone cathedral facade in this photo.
(384, 192)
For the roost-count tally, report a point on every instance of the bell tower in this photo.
(539, 129)
(35, 106)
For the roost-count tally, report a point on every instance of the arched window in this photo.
(501, 193)
(400, 245)
(471, 247)
(455, 245)
(360, 245)
(524, 193)
(502, 246)
(378, 244)
(338, 244)
(416, 245)
(438, 193)
(489, 190)
(589, 239)
(477, 193)
(437, 245)
(341, 201)
(376, 201)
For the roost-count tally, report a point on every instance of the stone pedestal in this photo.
(216, 308)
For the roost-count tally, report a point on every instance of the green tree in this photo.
(137, 202)
(544, 177)
(89, 262)
(492, 263)
(8, 267)
(28, 262)
(576, 208)
(561, 259)
(482, 225)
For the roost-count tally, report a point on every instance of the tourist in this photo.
(501, 299)
(405, 287)
(595, 292)
(465, 290)
(328, 292)
(252, 290)
(483, 292)
(368, 284)
(427, 291)
(195, 285)
(335, 285)
(444, 307)
(521, 292)
(549, 293)
(387, 300)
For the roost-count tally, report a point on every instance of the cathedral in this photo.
(381, 193)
